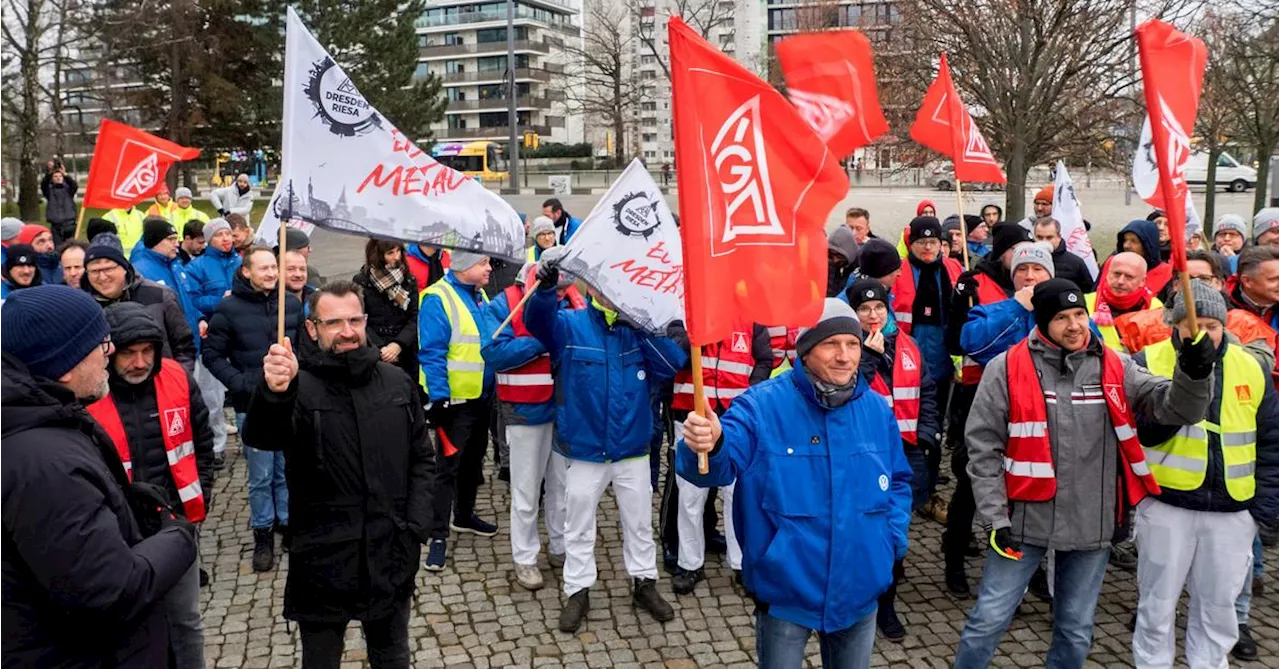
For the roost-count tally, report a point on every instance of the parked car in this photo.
(943, 177)
(1230, 174)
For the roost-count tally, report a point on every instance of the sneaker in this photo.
(263, 549)
(717, 544)
(286, 539)
(231, 428)
(437, 550)
(644, 594)
(474, 526)
(888, 624)
(556, 560)
(575, 611)
(1124, 555)
(219, 461)
(1246, 649)
(529, 576)
(688, 579)
(1039, 586)
(958, 584)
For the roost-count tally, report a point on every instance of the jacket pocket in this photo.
(799, 483)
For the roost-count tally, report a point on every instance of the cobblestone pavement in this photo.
(473, 615)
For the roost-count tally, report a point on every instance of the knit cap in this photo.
(155, 230)
(19, 255)
(837, 318)
(1033, 253)
(108, 239)
(878, 258)
(9, 228)
(542, 224)
(214, 225)
(97, 226)
(181, 191)
(1005, 236)
(1231, 222)
(1209, 304)
(105, 251)
(1051, 297)
(1044, 194)
(924, 227)
(29, 232)
(51, 328)
(867, 290)
(1264, 220)
(461, 261)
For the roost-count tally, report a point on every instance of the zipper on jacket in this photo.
(319, 432)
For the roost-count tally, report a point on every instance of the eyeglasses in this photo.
(868, 309)
(103, 271)
(355, 322)
(106, 345)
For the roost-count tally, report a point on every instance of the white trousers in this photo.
(1212, 554)
(532, 460)
(633, 491)
(693, 543)
(213, 393)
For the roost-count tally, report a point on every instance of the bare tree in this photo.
(703, 16)
(24, 28)
(604, 84)
(1248, 58)
(1216, 120)
(1049, 79)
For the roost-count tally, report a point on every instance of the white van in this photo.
(1231, 174)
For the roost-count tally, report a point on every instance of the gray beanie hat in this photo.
(542, 224)
(182, 191)
(837, 318)
(1032, 253)
(461, 261)
(1231, 222)
(1209, 304)
(9, 228)
(214, 226)
(1266, 219)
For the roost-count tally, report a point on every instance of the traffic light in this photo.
(531, 140)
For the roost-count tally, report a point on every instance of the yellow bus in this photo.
(482, 159)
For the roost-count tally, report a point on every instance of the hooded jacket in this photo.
(841, 241)
(138, 409)
(162, 304)
(81, 586)
(209, 277)
(360, 470)
(241, 330)
(1069, 266)
(60, 199)
(822, 499)
(172, 274)
(1159, 272)
(1082, 515)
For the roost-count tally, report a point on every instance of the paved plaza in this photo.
(473, 615)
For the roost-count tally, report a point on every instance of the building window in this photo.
(648, 106)
(648, 60)
(456, 94)
(499, 63)
(420, 72)
(648, 74)
(490, 35)
(423, 42)
(77, 76)
(649, 137)
(457, 122)
(454, 67)
(452, 39)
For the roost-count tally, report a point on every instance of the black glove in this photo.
(548, 274)
(1268, 532)
(438, 413)
(1197, 356)
(224, 213)
(1003, 544)
(170, 520)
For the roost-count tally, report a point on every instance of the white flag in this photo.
(346, 168)
(1146, 179)
(1066, 210)
(628, 249)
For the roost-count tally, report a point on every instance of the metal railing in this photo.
(437, 51)
(495, 76)
(524, 101)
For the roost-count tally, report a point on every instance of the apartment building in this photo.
(465, 44)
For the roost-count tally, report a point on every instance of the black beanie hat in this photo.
(19, 255)
(97, 226)
(105, 252)
(1054, 296)
(156, 230)
(924, 227)
(878, 258)
(1006, 236)
(867, 290)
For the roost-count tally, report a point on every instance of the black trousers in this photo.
(458, 475)
(387, 641)
(960, 512)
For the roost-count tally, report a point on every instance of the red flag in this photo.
(1172, 70)
(129, 165)
(832, 81)
(757, 187)
(944, 125)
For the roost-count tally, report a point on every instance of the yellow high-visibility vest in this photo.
(128, 224)
(463, 361)
(182, 216)
(1181, 462)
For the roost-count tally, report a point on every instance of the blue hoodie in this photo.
(172, 274)
(209, 276)
(823, 498)
(994, 328)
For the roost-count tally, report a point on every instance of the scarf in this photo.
(610, 316)
(1109, 305)
(391, 283)
(831, 395)
(930, 286)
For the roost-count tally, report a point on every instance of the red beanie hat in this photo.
(29, 232)
(1045, 194)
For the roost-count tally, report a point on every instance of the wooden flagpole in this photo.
(964, 229)
(80, 217)
(528, 292)
(699, 398)
(280, 287)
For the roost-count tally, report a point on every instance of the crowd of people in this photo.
(1087, 422)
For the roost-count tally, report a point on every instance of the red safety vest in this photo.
(904, 397)
(989, 292)
(726, 371)
(530, 383)
(783, 342)
(1028, 458)
(904, 291)
(173, 400)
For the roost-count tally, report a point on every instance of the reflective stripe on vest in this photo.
(1181, 462)
(173, 409)
(530, 383)
(905, 395)
(463, 361)
(782, 341)
(904, 291)
(726, 371)
(988, 292)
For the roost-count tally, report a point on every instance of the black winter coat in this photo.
(242, 328)
(359, 470)
(140, 416)
(389, 323)
(162, 303)
(60, 200)
(929, 425)
(82, 588)
(1069, 266)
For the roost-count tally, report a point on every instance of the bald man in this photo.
(1123, 289)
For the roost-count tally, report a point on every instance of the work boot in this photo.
(286, 539)
(264, 543)
(529, 576)
(888, 624)
(219, 461)
(957, 584)
(644, 594)
(684, 582)
(1246, 649)
(575, 611)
